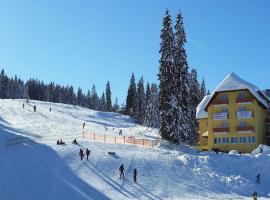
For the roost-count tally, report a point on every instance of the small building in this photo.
(235, 116)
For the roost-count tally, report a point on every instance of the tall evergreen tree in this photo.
(80, 97)
(131, 101)
(108, 97)
(202, 89)
(194, 100)
(140, 102)
(94, 98)
(116, 106)
(102, 103)
(3, 85)
(166, 93)
(181, 111)
(152, 108)
(208, 92)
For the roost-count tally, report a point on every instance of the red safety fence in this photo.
(120, 139)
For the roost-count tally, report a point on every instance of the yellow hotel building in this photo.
(235, 117)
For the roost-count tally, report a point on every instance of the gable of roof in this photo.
(233, 82)
(200, 110)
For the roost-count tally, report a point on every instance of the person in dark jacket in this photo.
(83, 124)
(135, 175)
(87, 153)
(81, 153)
(258, 179)
(35, 108)
(122, 171)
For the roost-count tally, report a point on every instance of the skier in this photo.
(261, 150)
(122, 171)
(23, 105)
(81, 153)
(135, 175)
(35, 108)
(258, 179)
(83, 124)
(50, 109)
(87, 153)
(75, 141)
(120, 132)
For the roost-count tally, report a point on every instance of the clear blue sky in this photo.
(81, 42)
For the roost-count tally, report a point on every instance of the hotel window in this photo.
(241, 140)
(232, 140)
(249, 139)
(215, 140)
(235, 140)
(242, 95)
(225, 125)
(224, 110)
(243, 123)
(227, 140)
(224, 140)
(219, 140)
(253, 139)
(244, 140)
(242, 109)
(224, 97)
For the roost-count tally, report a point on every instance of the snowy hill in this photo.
(34, 167)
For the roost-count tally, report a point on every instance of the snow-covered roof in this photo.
(266, 94)
(233, 82)
(200, 110)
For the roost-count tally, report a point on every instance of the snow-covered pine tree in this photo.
(194, 100)
(180, 81)
(208, 92)
(108, 97)
(152, 108)
(3, 85)
(140, 102)
(202, 89)
(79, 97)
(115, 105)
(131, 101)
(167, 98)
(102, 103)
(94, 98)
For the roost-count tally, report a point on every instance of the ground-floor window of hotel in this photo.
(249, 139)
(234, 140)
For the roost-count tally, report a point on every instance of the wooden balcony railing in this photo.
(220, 101)
(244, 100)
(219, 130)
(245, 128)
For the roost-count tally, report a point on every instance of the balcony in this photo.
(244, 114)
(220, 101)
(220, 116)
(244, 100)
(248, 129)
(221, 130)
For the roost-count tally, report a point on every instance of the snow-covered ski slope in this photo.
(37, 168)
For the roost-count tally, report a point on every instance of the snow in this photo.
(233, 82)
(200, 110)
(233, 152)
(37, 168)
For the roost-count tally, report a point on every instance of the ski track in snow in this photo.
(40, 169)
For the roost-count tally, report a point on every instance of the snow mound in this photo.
(261, 149)
(233, 152)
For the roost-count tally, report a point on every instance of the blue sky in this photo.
(84, 41)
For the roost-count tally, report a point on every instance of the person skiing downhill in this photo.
(83, 124)
(122, 171)
(81, 153)
(87, 153)
(135, 175)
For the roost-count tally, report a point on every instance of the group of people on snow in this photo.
(122, 173)
(87, 152)
(60, 142)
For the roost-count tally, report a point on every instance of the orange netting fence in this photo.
(120, 139)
